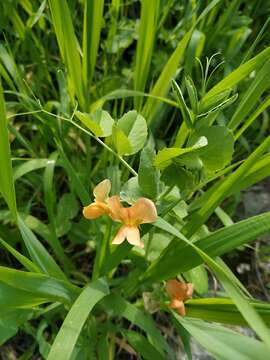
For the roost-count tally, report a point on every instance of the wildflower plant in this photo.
(166, 142)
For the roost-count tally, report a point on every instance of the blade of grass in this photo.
(239, 74)
(199, 217)
(260, 83)
(6, 177)
(222, 342)
(68, 46)
(38, 252)
(145, 45)
(69, 332)
(93, 18)
(161, 86)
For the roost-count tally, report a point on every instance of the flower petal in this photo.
(117, 211)
(176, 289)
(94, 210)
(143, 211)
(133, 236)
(120, 236)
(101, 191)
(178, 306)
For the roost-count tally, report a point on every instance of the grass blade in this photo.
(145, 45)
(68, 46)
(6, 177)
(223, 343)
(69, 332)
(93, 17)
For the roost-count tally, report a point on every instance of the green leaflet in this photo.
(100, 123)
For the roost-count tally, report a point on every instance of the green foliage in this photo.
(169, 101)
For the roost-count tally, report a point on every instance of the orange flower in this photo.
(99, 206)
(179, 292)
(142, 212)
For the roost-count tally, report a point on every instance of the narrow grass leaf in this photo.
(141, 345)
(123, 308)
(260, 83)
(39, 284)
(38, 252)
(70, 330)
(224, 343)
(6, 177)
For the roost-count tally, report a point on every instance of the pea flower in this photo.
(179, 292)
(99, 206)
(142, 212)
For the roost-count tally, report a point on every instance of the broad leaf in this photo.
(100, 122)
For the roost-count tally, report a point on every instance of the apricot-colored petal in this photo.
(101, 191)
(179, 306)
(176, 289)
(120, 236)
(143, 211)
(133, 236)
(189, 291)
(117, 211)
(94, 210)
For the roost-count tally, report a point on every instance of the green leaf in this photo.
(100, 122)
(134, 127)
(10, 320)
(123, 308)
(29, 166)
(67, 209)
(70, 330)
(92, 24)
(68, 46)
(131, 191)
(38, 253)
(173, 259)
(224, 343)
(184, 109)
(232, 288)
(148, 176)
(199, 277)
(78, 186)
(141, 345)
(192, 93)
(28, 264)
(239, 74)
(199, 217)
(219, 149)
(13, 297)
(6, 176)
(174, 175)
(121, 141)
(164, 156)
(260, 83)
(145, 44)
(223, 310)
(42, 286)
(162, 84)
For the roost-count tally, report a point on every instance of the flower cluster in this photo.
(142, 212)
